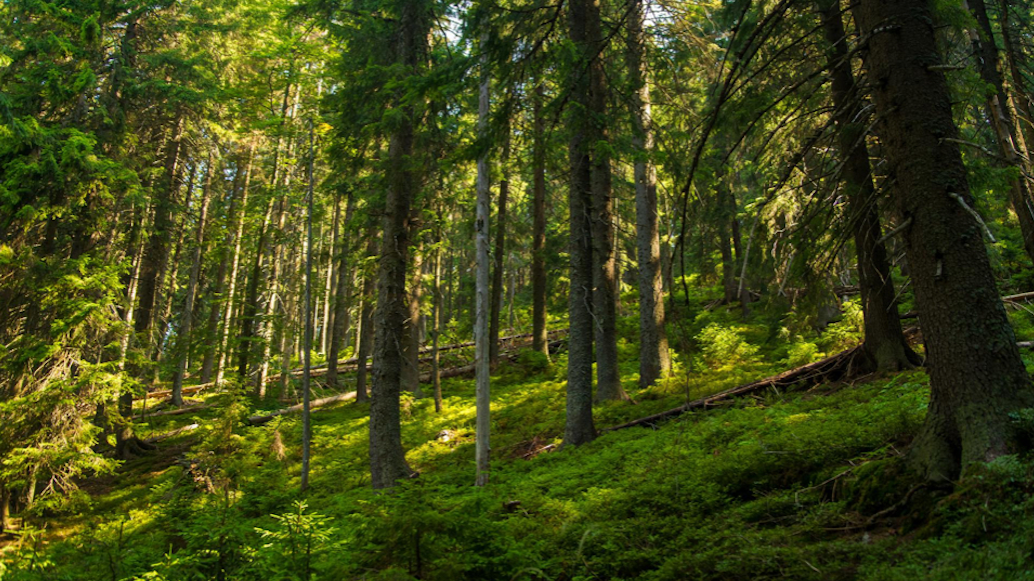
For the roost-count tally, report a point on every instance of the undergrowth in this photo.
(803, 485)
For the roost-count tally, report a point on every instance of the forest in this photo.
(564, 290)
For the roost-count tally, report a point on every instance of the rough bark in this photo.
(387, 458)
(436, 314)
(976, 375)
(540, 342)
(333, 275)
(578, 424)
(1017, 61)
(605, 293)
(187, 314)
(307, 346)
(654, 359)
(414, 295)
(884, 347)
(482, 338)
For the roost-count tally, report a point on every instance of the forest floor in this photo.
(780, 484)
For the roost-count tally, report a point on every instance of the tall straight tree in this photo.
(654, 360)
(387, 458)
(499, 250)
(340, 300)
(884, 346)
(307, 346)
(482, 337)
(578, 424)
(977, 378)
(539, 333)
(601, 215)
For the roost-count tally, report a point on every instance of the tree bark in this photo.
(500, 252)
(436, 314)
(414, 295)
(307, 347)
(976, 375)
(654, 359)
(482, 335)
(1017, 61)
(366, 322)
(341, 300)
(605, 293)
(187, 315)
(578, 424)
(540, 342)
(387, 458)
(151, 267)
(884, 348)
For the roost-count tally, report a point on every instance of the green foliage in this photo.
(724, 348)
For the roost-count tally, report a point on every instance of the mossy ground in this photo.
(802, 485)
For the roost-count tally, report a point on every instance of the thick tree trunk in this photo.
(986, 50)
(605, 294)
(976, 375)
(387, 458)
(339, 328)
(366, 323)
(500, 252)
(884, 348)
(539, 342)
(187, 315)
(578, 425)
(5, 510)
(1017, 61)
(654, 359)
(482, 336)
(151, 267)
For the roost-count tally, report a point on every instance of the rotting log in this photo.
(257, 420)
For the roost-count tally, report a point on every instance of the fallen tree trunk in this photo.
(261, 419)
(831, 367)
(175, 432)
(172, 412)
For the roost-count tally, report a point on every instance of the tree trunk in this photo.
(976, 375)
(307, 347)
(654, 359)
(578, 425)
(436, 314)
(986, 50)
(336, 243)
(414, 294)
(339, 329)
(151, 266)
(496, 301)
(605, 295)
(540, 341)
(187, 315)
(1017, 61)
(5, 510)
(482, 335)
(366, 322)
(387, 458)
(884, 347)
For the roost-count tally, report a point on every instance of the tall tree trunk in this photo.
(341, 300)
(307, 348)
(366, 321)
(539, 333)
(268, 324)
(151, 266)
(496, 300)
(884, 346)
(578, 424)
(1017, 61)
(222, 340)
(5, 510)
(605, 295)
(436, 314)
(166, 291)
(1001, 120)
(387, 458)
(976, 375)
(333, 275)
(414, 295)
(482, 336)
(187, 315)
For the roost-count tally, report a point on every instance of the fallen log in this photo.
(1022, 297)
(830, 366)
(172, 412)
(257, 420)
(175, 432)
